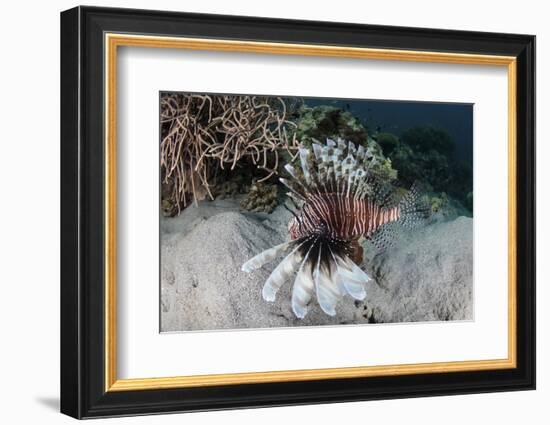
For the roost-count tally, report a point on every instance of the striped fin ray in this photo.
(292, 171)
(266, 256)
(335, 160)
(348, 166)
(342, 145)
(413, 208)
(323, 166)
(304, 162)
(337, 173)
(360, 153)
(298, 191)
(327, 290)
(302, 289)
(335, 166)
(351, 148)
(351, 277)
(317, 150)
(280, 274)
(303, 185)
(296, 198)
(338, 155)
(360, 175)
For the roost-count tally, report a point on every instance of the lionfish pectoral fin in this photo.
(281, 274)
(385, 236)
(302, 291)
(327, 299)
(349, 277)
(327, 290)
(352, 278)
(266, 256)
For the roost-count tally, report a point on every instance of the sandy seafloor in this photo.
(426, 276)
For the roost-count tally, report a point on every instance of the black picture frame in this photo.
(83, 392)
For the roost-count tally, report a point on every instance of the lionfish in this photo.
(342, 200)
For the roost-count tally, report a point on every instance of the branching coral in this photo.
(201, 133)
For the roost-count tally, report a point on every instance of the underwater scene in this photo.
(300, 211)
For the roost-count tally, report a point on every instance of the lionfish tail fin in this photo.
(414, 212)
(414, 209)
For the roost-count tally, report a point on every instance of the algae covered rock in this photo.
(262, 197)
(321, 122)
(438, 202)
(231, 186)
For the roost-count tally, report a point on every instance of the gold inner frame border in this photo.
(114, 40)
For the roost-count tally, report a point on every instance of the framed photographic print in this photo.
(261, 212)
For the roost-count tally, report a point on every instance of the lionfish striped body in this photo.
(341, 201)
(347, 218)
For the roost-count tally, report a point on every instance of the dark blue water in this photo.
(398, 116)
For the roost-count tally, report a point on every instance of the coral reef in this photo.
(417, 158)
(426, 139)
(321, 122)
(201, 134)
(262, 197)
(388, 142)
(219, 145)
(426, 154)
